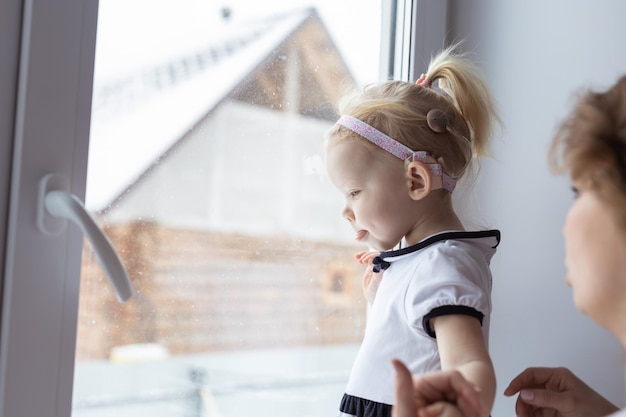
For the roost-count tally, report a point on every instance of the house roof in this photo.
(148, 95)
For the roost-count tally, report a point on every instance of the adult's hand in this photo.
(436, 394)
(556, 392)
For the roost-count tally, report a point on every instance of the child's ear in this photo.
(420, 180)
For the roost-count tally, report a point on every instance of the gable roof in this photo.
(142, 108)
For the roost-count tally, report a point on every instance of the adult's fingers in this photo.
(522, 409)
(529, 378)
(441, 409)
(405, 405)
(452, 387)
(541, 398)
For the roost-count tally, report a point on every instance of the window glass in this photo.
(206, 172)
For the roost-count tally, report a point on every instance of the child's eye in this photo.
(575, 191)
(354, 193)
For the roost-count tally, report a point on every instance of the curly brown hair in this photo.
(590, 145)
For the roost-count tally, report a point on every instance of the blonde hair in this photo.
(590, 145)
(399, 109)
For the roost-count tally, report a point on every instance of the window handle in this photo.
(56, 205)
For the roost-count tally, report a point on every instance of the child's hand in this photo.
(371, 279)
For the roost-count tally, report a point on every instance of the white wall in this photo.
(535, 55)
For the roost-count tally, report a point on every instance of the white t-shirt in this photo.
(447, 273)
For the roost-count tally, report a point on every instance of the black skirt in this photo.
(361, 407)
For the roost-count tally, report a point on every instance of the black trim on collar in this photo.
(448, 310)
(443, 236)
(380, 264)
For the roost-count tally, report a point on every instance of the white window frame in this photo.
(47, 49)
(48, 112)
(418, 31)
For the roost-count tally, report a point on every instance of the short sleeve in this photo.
(450, 280)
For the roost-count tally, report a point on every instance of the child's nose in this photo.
(347, 214)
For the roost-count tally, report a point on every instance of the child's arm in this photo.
(462, 347)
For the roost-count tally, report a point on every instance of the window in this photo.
(217, 203)
(206, 173)
(219, 207)
(230, 188)
(47, 54)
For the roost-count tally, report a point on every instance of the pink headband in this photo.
(395, 148)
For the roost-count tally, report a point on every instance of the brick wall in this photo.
(205, 292)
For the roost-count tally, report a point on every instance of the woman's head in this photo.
(451, 85)
(591, 146)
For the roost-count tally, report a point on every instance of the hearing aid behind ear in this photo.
(438, 123)
(437, 120)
